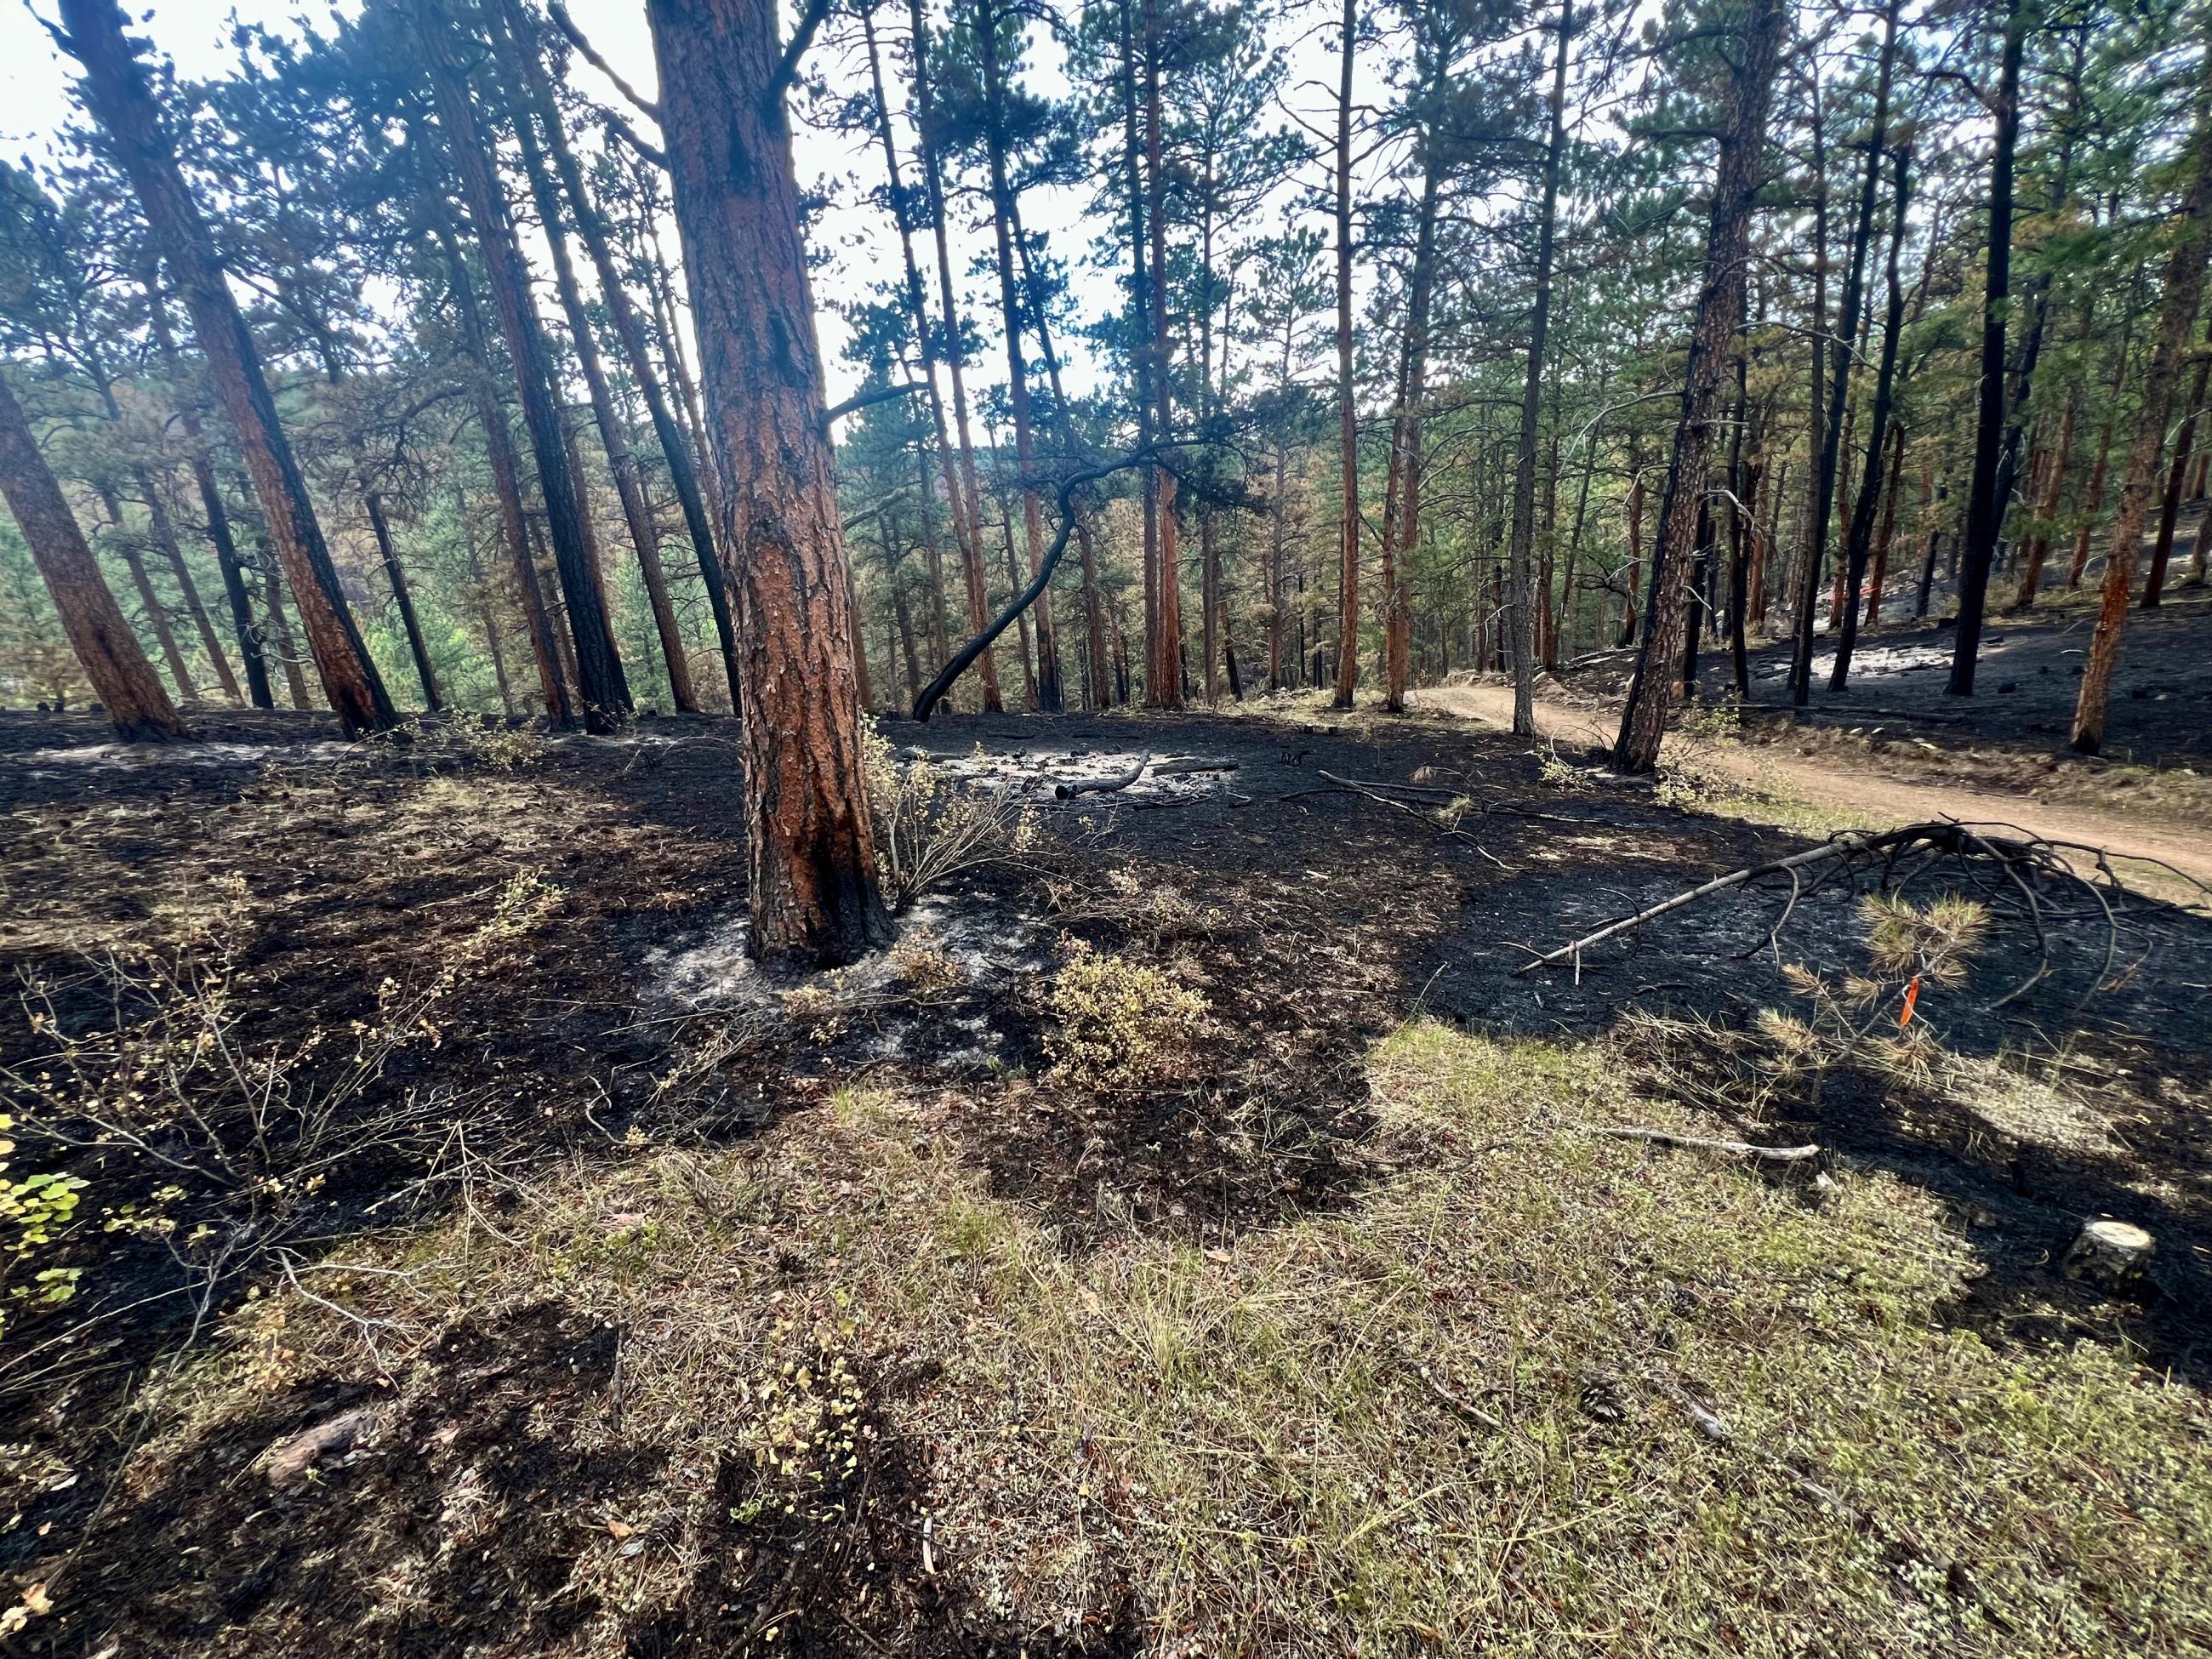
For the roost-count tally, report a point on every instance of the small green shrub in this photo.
(1122, 1025)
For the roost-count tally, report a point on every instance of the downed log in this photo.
(1067, 788)
(1178, 769)
(293, 1456)
(1741, 1148)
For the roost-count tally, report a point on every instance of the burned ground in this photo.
(533, 946)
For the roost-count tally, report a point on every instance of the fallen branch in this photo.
(1067, 788)
(1743, 1148)
(1178, 769)
(1841, 846)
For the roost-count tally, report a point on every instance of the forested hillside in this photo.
(1105, 827)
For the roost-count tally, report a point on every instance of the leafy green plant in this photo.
(1122, 1024)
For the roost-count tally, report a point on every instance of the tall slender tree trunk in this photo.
(1885, 402)
(917, 309)
(1720, 313)
(600, 683)
(1050, 698)
(968, 499)
(117, 92)
(109, 653)
(1636, 499)
(1879, 574)
(164, 530)
(812, 881)
(1985, 508)
(126, 543)
(2184, 293)
(521, 78)
(211, 505)
(1524, 462)
(1347, 411)
(2169, 512)
(2046, 506)
(417, 647)
(1163, 672)
(1841, 352)
(506, 486)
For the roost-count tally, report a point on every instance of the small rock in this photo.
(2112, 1256)
(2008, 686)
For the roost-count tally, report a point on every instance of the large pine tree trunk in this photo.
(1347, 411)
(600, 683)
(1720, 313)
(1984, 508)
(116, 91)
(813, 886)
(2184, 293)
(113, 660)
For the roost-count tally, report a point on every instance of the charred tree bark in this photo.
(1984, 511)
(2169, 512)
(212, 508)
(417, 648)
(1720, 313)
(599, 683)
(525, 94)
(1885, 403)
(117, 91)
(812, 881)
(1163, 669)
(125, 541)
(2184, 293)
(112, 659)
(164, 530)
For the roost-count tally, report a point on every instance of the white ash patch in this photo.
(987, 944)
(1040, 774)
(126, 754)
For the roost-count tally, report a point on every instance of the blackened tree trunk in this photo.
(2169, 511)
(1050, 697)
(599, 682)
(506, 486)
(1347, 411)
(1720, 313)
(675, 448)
(1841, 354)
(1164, 665)
(1532, 392)
(813, 886)
(2047, 505)
(1984, 510)
(968, 499)
(112, 659)
(1401, 496)
(211, 507)
(417, 648)
(524, 94)
(2184, 293)
(1885, 403)
(117, 91)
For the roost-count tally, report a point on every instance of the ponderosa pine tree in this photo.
(1736, 179)
(813, 888)
(116, 91)
(112, 659)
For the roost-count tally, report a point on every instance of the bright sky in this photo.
(36, 103)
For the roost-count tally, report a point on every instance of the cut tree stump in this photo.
(2115, 1256)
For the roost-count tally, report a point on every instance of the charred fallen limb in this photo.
(1183, 768)
(1112, 783)
(933, 693)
